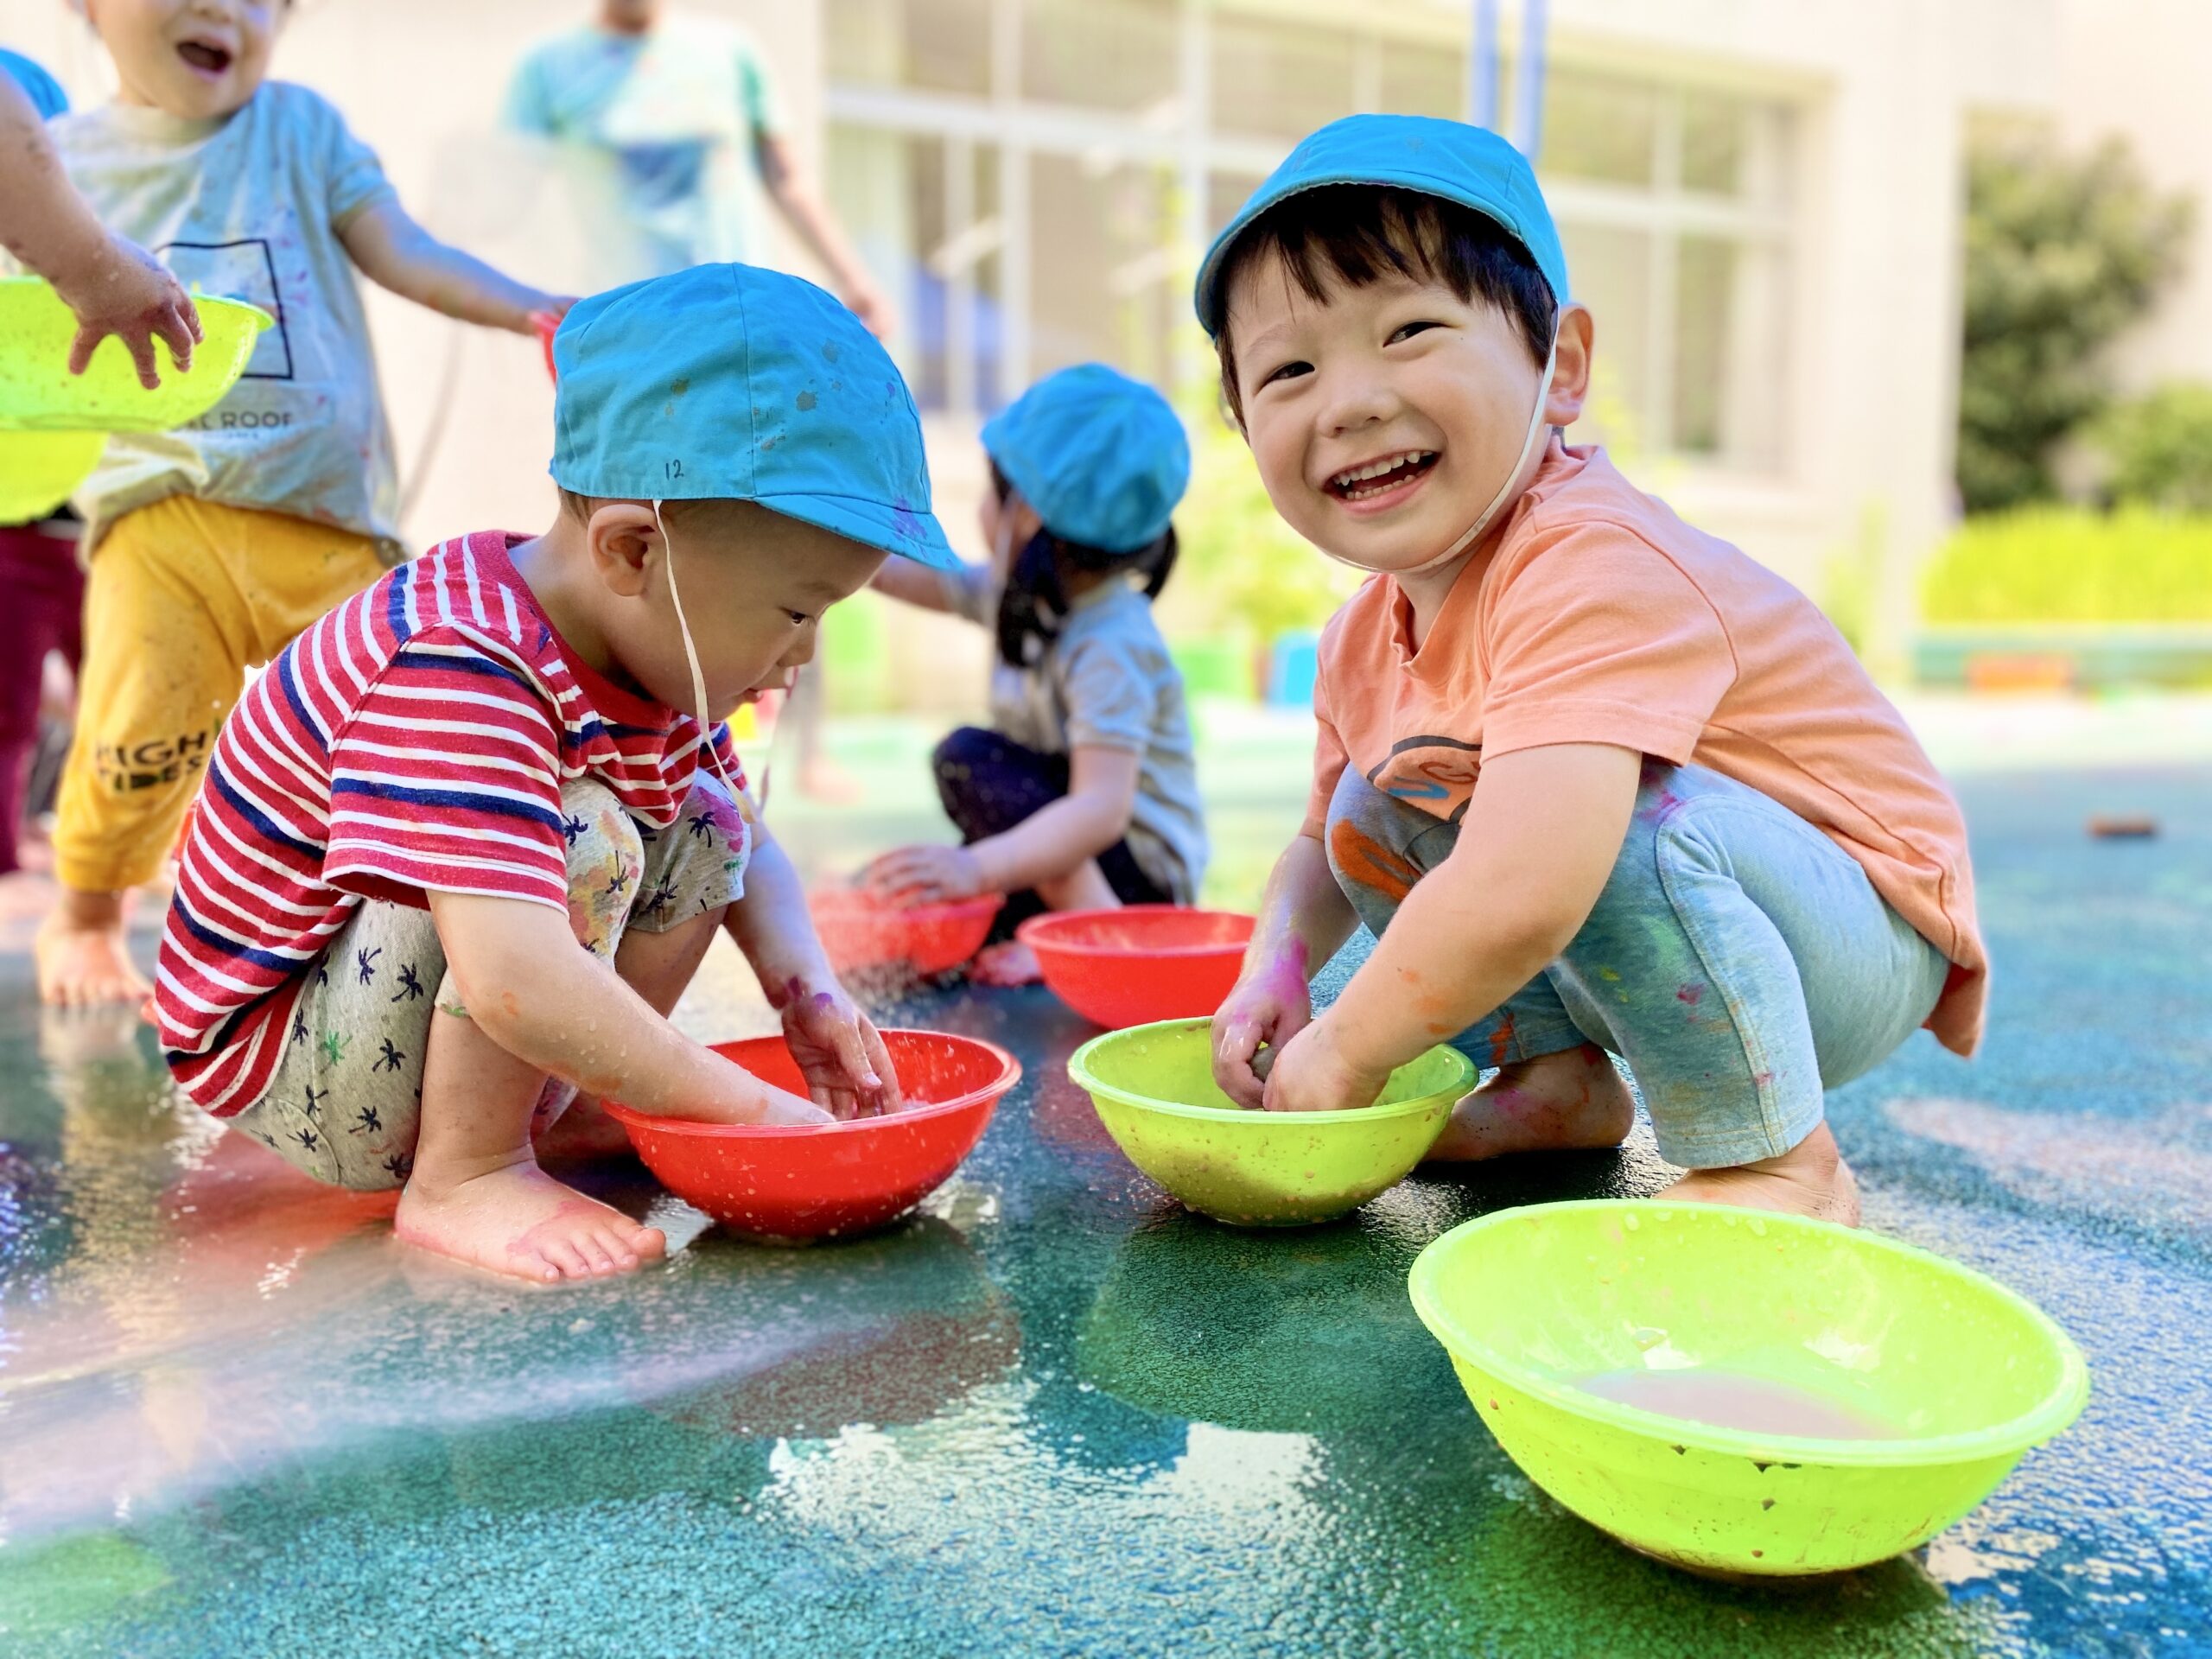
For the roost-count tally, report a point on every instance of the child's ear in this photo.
(620, 535)
(1571, 366)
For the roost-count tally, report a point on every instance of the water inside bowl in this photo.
(1737, 1400)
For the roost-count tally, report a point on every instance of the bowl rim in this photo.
(990, 1094)
(2048, 1417)
(268, 320)
(985, 904)
(1079, 1071)
(1037, 929)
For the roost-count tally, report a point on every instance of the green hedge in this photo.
(2059, 564)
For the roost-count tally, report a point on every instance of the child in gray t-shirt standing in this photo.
(1084, 793)
(211, 546)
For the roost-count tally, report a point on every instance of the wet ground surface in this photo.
(1055, 1414)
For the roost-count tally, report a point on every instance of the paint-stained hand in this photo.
(849, 1072)
(1313, 1074)
(924, 875)
(131, 295)
(1270, 1005)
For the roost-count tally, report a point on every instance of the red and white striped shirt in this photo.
(415, 737)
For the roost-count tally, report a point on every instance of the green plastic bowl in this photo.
(1964, 1375)
(39, 470)
(1155, 1091)
(39, 394)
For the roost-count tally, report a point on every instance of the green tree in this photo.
(2159, 449)
(2063, 252)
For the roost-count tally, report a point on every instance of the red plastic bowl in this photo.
(1142, 963)
(859, 931)
(833, 1178)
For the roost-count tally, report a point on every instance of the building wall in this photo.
(1877, 92)
(2136, 68)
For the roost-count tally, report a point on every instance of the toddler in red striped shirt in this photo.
(462, 847)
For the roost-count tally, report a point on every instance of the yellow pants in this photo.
(183, 597)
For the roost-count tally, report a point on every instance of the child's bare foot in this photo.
(80, 965)
(1010, 963)
(1570, 1101)
(516, 1219)
(1811, 1179)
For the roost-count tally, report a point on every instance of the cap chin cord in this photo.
(1536, 426)
(704, 715)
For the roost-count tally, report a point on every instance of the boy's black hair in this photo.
(1034, 603)
(1360, 233)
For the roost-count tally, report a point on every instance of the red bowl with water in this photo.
(1140, 963)
(861, 932)
(830, 1179)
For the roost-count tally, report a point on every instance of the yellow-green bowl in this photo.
(1962, 1374)
(1154, 1091)
(39, 394)
(38, 470)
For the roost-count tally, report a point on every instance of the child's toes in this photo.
(646, 1244)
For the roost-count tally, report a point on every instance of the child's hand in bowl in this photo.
(1311, 1074)
(847, 1071)
(1269, 1006)
(924, 875)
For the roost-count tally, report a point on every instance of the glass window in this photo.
(940, 45)
(1225, 194)
(1611, 271)
(1599, 127)
(1115, 54)
(1280, 78)
(1423, 81)
(1730, 342)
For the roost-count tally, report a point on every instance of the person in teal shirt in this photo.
(684, 110)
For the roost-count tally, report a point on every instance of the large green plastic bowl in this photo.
(1968, 1375)
(39, 394)
(1154, 1091)
(40, 470)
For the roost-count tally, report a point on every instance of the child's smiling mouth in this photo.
(1387, 478)
(205, 57)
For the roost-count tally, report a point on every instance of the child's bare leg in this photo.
(1811, 1179)
(1011, 962)
(658, 967)
(81, 953)
(477, 1194)
(1570, 1100)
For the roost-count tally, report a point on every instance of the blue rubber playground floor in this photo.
(1054, 1414)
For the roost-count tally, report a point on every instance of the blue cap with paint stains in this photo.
(1100, 457)
(731, 383)
(1424, 154)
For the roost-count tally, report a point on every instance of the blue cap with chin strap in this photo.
(731, 382)
(1424, 154)
(1100, 457)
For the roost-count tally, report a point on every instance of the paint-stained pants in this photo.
(1737, 959)
(346, 1104)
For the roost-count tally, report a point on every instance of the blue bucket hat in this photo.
(731, 383)
(1425, 154)
(1100, 457)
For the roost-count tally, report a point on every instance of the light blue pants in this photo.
(1739, 960)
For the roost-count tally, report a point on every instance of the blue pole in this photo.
(1528, 82)
(1481, 67)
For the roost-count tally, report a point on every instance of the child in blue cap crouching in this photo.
(462, 847)
(1083, 795)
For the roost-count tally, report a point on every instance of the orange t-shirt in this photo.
(1600, 617)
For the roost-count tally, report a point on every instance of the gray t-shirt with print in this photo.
(249, 206)
(1107, 682)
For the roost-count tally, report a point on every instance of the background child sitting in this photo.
(453, 782)
(212, 546)
(1084, 794)
(1597, 781)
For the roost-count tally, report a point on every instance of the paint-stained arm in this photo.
(534, 992)
(114, 286)
(847, 1071)
(1304, 920)
(395, 252)
(1540, 837)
